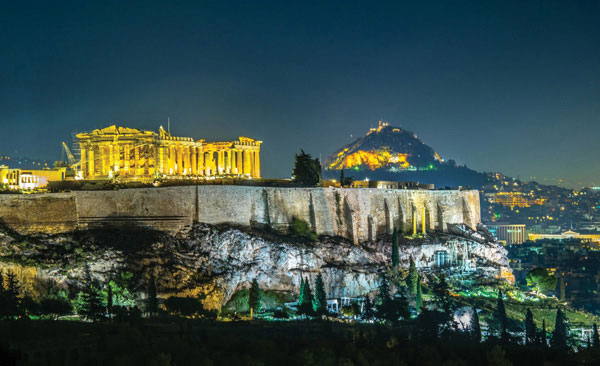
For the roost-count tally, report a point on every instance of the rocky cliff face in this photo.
(220, 260)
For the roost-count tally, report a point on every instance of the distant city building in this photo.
(514, 199)
(379, 184)
(21, 179)
(135, 154)
(567, 235)
(589, 226)
(509, 234)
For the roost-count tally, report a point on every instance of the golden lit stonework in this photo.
(129, 153)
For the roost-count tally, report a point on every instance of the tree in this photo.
(384, 291)
(500, 317)
(530, 329)
(441, 292)
(307, 171)
(55, 306)
(254, 297)
(560, 336)
(184, 306)
(389, 308)
(152, 301)
(413, 277)
(90, 303)
(497, 357)
(368, 311)
(342, 178)
(395, 252)
(595, 337)
(383, 297)
(301, 293)
(540, 281)
(419, 297)
(475, 326)
(109, 300)
(305, 305)
(9, 295)
(28, 306)
(320, 302)
(543, 335)
(561, 289)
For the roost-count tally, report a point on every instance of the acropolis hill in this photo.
(356, 214)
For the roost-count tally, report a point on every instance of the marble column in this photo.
(91, 157)
(257, 164)
(179, 164)
(247, 165)
(84, 171)
(147, 155)
(116, 157)
(136, 161)
(126, 153)
(161, 163)
(194, 161)
(239, 162)
(229, 161)
(201, 162)
(111, 157)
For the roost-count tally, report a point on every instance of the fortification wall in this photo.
(357, 214)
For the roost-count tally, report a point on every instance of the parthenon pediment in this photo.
(114, 130)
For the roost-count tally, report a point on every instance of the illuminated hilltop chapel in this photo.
(130, 153)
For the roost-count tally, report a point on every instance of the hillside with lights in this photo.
(392, 153)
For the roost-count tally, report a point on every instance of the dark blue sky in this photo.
(502, 86)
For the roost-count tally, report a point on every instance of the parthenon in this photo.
(130, 153)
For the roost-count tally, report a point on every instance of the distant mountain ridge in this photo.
(392, 153)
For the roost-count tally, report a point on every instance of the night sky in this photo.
(500, 86)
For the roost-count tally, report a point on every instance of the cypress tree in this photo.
(475, 326)
(109, 299)
(441, 291)
(559, 339)
(11, 294)
(561, 288)
(412, 278)
(530, 330)
(152, 301)
(419, 298)
(368, 309)
(301, 293)
(395, 252)
(320, 303)
(254, 297)
(384, 299)
(543, 335)
(500, 316)
(91, 303)
(306, 307)
(384, 290)
(3, 299)
(595, 337)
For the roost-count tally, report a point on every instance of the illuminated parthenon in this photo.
(135, 154)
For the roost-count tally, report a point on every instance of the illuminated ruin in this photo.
(129, 153)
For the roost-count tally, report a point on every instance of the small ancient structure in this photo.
(134, 154)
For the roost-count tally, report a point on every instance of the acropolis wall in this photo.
(356, 214)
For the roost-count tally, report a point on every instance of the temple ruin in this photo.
(130, 153)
